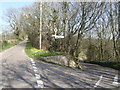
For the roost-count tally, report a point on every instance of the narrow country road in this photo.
(19, 71)
(16, 68)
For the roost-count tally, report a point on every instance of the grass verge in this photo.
(114, 65)
(5, 46)
(35, 53)
(39, 54)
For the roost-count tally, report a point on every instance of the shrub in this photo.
(4, 42)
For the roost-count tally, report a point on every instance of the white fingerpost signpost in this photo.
(57, 36)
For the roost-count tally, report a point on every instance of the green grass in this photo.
(111, 64)
(47, 54)
(34, 53)
(28, 49)
(5, 46)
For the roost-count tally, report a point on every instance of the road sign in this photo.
(53, 35)
(57, 36)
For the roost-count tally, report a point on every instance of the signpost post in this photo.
(40, 41)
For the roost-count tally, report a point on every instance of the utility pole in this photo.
(40, 41)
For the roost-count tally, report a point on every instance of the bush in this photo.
(92, 52)
(111, 64)
(4, 43)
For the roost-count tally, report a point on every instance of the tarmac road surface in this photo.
(20, 71)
